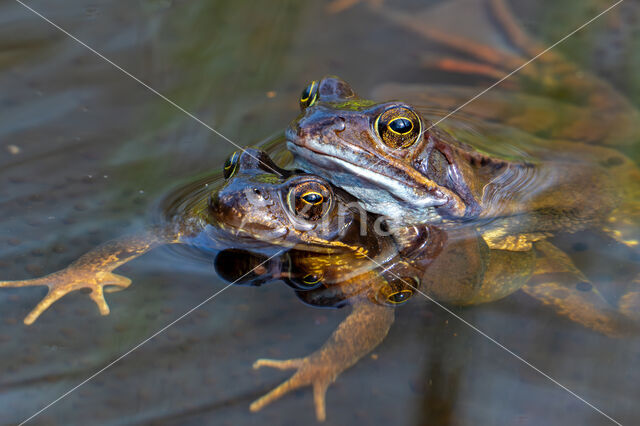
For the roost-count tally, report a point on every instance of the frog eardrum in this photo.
(310, 199)
(398, 127)
(309, 95)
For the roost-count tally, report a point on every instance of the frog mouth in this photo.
(246, 237)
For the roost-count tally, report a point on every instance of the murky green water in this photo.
(87, 153)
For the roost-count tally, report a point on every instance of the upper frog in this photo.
(404, 166)
(381, 153)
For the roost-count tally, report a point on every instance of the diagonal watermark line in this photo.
(127, 73)
(524, 65)
(239, 147)
(162, 330)
(497, 343)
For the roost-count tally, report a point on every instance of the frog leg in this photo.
(479, 51)
(558, 283)
(363, 330)
(337, 6)
(93, 271)
(465, 67)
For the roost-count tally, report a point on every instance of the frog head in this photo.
(260, 201)
(385, 154)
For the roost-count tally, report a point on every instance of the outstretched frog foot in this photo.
(309, 372)
(68, 280)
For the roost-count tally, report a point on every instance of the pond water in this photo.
(87, 154)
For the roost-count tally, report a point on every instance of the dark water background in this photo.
(86, 153)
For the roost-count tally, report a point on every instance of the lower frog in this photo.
(207, 219)
(341, 259)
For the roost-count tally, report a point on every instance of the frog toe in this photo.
(114, 282)
(319, 400)
(97, 295)
(52, 296)
(307, 374)
(286, 364)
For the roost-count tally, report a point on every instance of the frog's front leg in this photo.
(558, 283)
(93, 271)
(363, 330)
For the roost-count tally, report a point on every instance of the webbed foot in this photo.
(310, 372)
(70, 279)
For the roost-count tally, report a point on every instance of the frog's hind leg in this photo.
(558, 283)
(482, 54)
(462, 66)
(364, 328)
(513, 30)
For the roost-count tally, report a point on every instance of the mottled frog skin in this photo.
(282, 225)
(516, 175)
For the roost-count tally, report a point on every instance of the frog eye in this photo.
(398, 127)
(230, 165)
(311, 279)
(310, 200)
(397, 291)
(309, 95)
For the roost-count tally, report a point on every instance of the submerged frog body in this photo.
(332, 254)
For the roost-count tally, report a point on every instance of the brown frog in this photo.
(209, 219)
(339, 258)
(515, 187)
(398, 164)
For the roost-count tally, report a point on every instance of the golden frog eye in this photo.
(399, 296)
(311, 279)
(309, 95)
(398, 127)
(397, 291)
(310, 200)
(230, 165)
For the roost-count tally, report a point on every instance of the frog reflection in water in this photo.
(397, 161)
